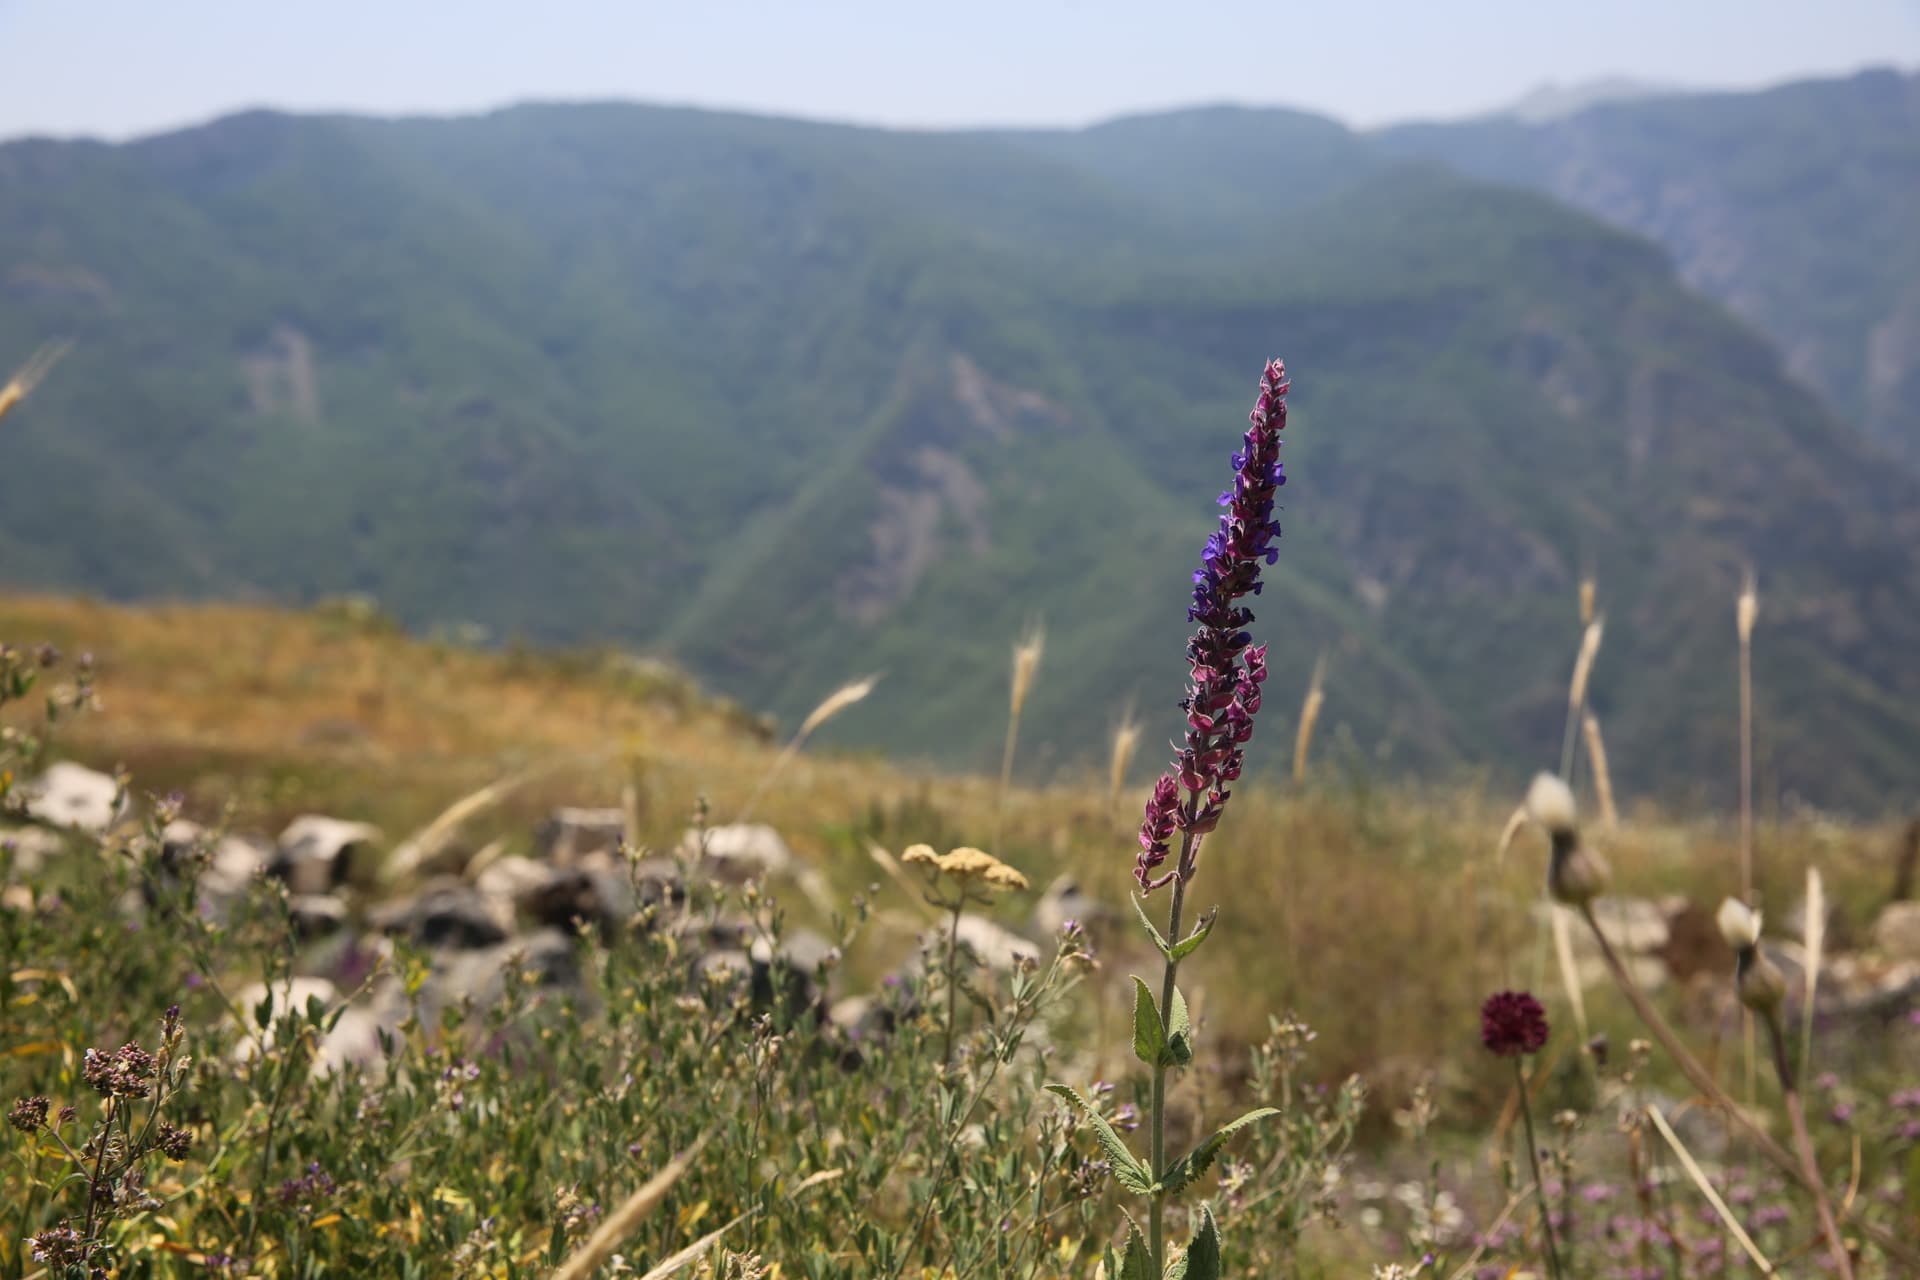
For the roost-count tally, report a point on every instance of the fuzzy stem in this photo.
(1539, 1183)
(1156, 1230)
(1803, 1143)
(1709, 1088)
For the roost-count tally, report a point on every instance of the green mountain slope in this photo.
(1796, 207)
(795, 402)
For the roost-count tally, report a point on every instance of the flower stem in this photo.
(953, 990)
(1539, 1183)
(1156, 1230)
(1803, 1144)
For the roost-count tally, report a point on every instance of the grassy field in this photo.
(1381, 916)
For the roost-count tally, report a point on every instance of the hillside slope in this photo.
(1795, 207)
(793, 402)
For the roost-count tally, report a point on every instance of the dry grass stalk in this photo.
(1746, 611)
(1701, 1181)
(1587, 595)
(678, 1261)
(1125, 739)
(836, 702)
(1602, 775)
(614, 1230)
(1814, 935)
(1309, 716)
(426, 844)
(31, 375)
(1026, 662)
(1702, 1079)
(1569, 971)
(1577, 690)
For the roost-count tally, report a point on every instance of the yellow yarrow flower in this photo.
(965, 864)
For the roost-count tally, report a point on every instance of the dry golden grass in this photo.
(1382, 914)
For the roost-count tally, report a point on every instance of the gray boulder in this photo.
(569, 834)
(447, 913)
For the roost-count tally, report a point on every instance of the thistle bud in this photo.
(1756, 979)
(1576, 875)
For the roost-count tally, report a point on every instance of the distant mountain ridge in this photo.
(795, 402)
(1796, 207)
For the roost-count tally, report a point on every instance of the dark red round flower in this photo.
(1513, 1023)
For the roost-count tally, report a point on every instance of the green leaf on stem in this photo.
(1191, 943)
(1130, 1173)
(1149, 1036)
(1179, 1033)
(1203, 1255)
(1137, 1264)
(1191, 1166)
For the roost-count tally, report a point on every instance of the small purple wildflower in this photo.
(127, 1072)
(28, 1114)
(1227, 669)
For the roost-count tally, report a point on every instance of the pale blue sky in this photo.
(121, 67)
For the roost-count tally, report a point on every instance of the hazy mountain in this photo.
(796, 402)
(1796, 207)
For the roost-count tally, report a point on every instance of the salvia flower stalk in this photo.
(1226, 670)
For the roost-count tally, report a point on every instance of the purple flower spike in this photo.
(1227, 669)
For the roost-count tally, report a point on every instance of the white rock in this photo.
(740, 852)
(315, 853)
(1896, 933)
(72, 795)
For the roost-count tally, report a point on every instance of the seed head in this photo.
(1747, 610)
(1513, 1023)
(28, 1114)
(1550, 803)
(1739, 924)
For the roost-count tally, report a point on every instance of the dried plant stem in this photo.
(1814, 935)
(1577, 693)
(1539, 1183)
(1026, 662)
(836, 702)
(1702, 1079)
(1744, 613)
(621, 1223)
(1705, 1184)
(1602, 775)
(1803, 1144)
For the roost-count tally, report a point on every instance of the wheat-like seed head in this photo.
(836, 702)
(1747, 610)
(1815, 936)
(1309, 716)
(1587, 593)
(30, 375)
(1026, 661)
(1583, 665)
(1125, 739)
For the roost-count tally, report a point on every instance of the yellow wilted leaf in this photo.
(692, 1214)
(33, 1047)
(447, 1195)
(326, 1221)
